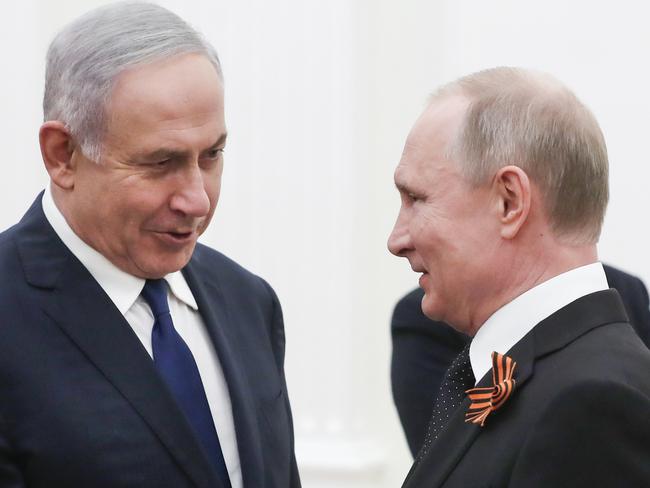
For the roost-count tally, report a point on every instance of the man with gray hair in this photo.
(503, 183)
(131, 355)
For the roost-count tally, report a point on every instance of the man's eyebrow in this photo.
(162, 154)
(219, 142)
(170, 153)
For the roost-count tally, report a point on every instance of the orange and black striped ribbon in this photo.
(487, 400)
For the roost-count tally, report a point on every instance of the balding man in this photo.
(130, 355)
(503, 182)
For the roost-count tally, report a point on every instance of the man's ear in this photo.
(513, 192)
(57, 149)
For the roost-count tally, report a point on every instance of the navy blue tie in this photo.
(175, 363)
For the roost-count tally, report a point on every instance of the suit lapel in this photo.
(552, 334)
(215, 311)
(76, 302)
(445, 452)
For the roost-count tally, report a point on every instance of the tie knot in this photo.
(155, 294)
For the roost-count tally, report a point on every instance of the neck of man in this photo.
(528, 268)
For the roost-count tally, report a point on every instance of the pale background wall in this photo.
(320, 96)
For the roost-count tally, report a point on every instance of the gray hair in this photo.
(531, 120)
(86, 57)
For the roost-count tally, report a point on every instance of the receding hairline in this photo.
(161, 62)
(492, 81)
(501, 84)
(532, 120)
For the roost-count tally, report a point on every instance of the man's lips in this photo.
(423, 278)
(177, 236)
(181, 235)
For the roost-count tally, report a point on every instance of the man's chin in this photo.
(430, 308)
(164, 264)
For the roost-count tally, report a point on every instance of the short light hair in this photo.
(86, 57)
(531, 120)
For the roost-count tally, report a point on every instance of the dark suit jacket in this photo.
(81, 404)
(423, 349)
(578, 416)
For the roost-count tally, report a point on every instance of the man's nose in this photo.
(191, 197)
(399, 240)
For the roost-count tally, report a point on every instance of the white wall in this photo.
(320, 96)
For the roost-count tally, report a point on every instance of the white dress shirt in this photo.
(124, 291)
(514, 320)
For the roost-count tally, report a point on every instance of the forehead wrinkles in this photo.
(166, 89)
(423, 154)
(428, 145)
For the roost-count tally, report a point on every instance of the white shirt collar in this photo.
(514, 320)
(121, 287)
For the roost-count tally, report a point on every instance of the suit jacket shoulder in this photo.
(635, 297)
(239, 286)
(212, 261)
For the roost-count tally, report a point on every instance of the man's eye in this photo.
(214, 153)
(413, 197)
(162, 162)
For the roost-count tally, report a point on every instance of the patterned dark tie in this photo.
(458, 378)
(176, 365)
